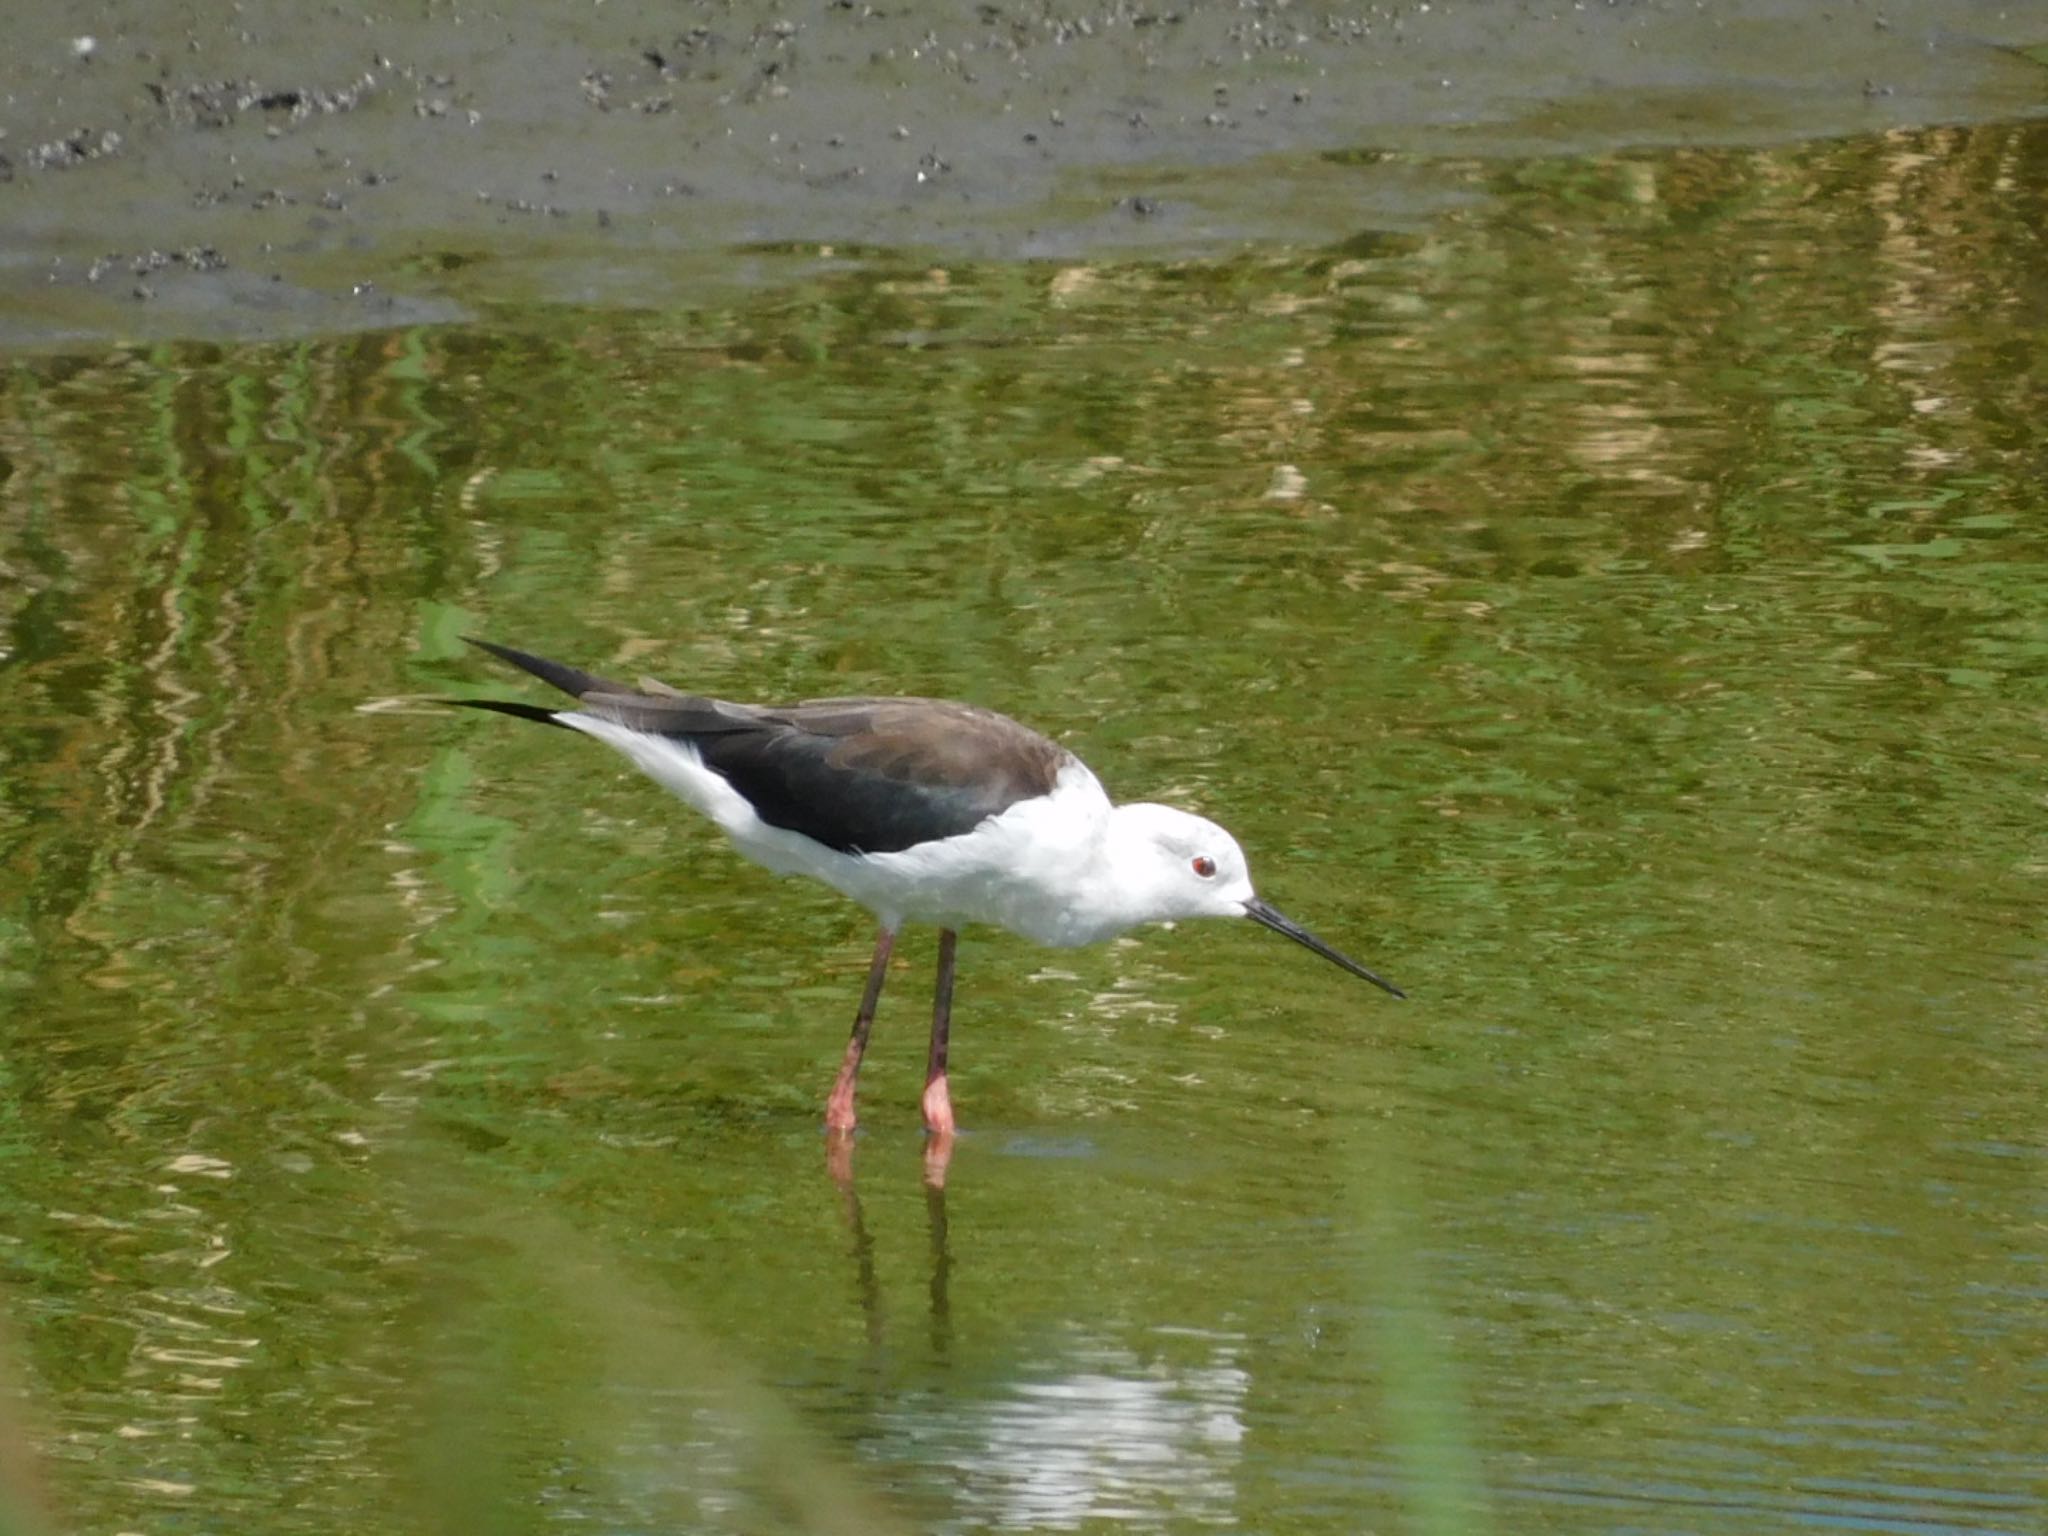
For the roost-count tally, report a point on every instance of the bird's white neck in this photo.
(1120, 888)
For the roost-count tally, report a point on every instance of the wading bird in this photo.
(921, 810)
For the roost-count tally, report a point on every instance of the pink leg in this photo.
(839, 1115)
(938, 1104)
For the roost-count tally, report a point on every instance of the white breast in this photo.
(1025, 870)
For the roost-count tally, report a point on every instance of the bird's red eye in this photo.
(1204, 865)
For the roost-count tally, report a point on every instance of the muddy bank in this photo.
(264, 168)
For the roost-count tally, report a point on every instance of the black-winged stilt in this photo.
(921, 810)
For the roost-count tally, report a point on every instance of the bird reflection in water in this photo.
(938, 1154)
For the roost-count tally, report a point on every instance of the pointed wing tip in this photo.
(573, 681)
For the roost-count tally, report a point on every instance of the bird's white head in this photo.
(1172, 864)
(1175, 864)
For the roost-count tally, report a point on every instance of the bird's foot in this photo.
(839, 1158)
(938, 1108)
(839, 1116)
(938, 1156)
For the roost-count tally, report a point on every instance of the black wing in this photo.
(858, 775)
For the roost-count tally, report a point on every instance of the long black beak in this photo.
(1260, 912)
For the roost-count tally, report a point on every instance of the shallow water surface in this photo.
(1616, 613)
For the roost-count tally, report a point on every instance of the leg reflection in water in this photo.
(938, 1153)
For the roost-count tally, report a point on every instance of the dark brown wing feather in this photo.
(860, 775)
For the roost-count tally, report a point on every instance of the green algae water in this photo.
(1618, 613)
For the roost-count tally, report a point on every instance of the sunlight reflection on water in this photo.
(1098, 1434)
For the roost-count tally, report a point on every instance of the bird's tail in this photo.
(538, 712)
